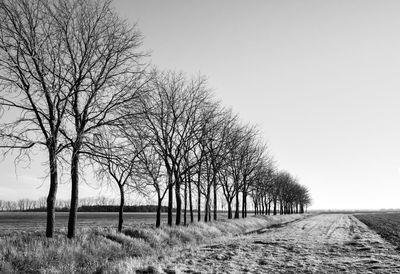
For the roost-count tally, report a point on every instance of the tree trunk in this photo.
(244, 206)
(215, 197)
(185, 203)
(178, 199)
(51, 198)
(121, 208)
(198, 203)
(170, 202)
(74, 193)
(230, 209)
(262, 207)
(244, 200)
(207, 202)
(158, 217)
(275, 207)
(237, 206)
(264, 202)
(199, 193)
(206, 207)
(190, 200)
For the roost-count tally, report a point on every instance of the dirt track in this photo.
(319, 244)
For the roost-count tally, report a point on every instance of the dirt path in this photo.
(319, 244)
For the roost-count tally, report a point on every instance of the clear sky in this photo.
(320, 79)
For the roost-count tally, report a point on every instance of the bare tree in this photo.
(10, 205)
(21, 204)
(236, 153)
(200, 157)
(41, 203)
(261, 187)
(116, 158)
(229, 170)
(219, 123)
(254, 158)
(172, 120)
(153, 172)
(304, 199)
(102, 60)
(33, 84)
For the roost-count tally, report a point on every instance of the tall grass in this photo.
(103, 250)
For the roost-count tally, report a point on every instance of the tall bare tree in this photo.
(172, 119)
(254, 157)
(33, 84)
(102, 58)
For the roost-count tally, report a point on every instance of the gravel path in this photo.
(328, 243)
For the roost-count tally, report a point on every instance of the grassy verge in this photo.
(102, 250)
(387, 225)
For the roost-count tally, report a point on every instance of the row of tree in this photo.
(27, 205)
(40, 204)
(73, 74)
(283, 195)
(181, 144)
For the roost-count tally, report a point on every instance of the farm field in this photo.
(102, 250)
(321, 243)
(387, 225)
(32, 221)
(325, 243)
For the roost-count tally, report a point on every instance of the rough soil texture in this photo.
(327, 243)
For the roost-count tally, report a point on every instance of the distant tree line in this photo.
(91, 204)
(74, 73)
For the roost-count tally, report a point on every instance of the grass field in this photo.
(32, 221)
(387, 225)
(99, 249)
(311, 243)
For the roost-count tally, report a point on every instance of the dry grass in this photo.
(102, 250)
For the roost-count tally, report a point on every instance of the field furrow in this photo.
(327, 243)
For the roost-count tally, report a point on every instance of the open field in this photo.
(323, 243)
(102, 250)
(354, 211)
(387, 225)
(32, 221)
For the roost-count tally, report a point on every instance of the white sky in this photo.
(320, 78)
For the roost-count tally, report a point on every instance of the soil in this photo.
(326, 243)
